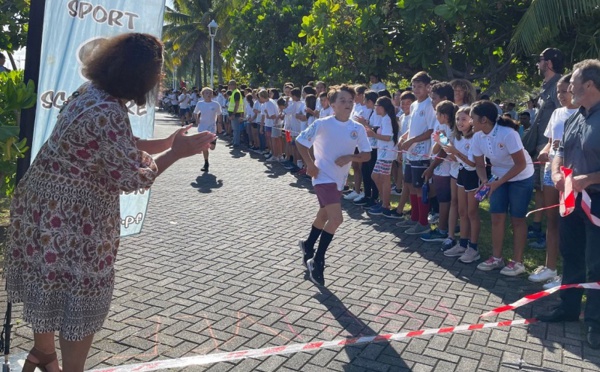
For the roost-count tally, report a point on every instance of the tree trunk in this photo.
(12, 61)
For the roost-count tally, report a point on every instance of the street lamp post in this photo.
(212, 31)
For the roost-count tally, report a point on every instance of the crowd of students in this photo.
(433, 144)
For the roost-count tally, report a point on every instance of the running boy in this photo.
(333, 140)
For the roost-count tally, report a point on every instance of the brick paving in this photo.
(217, 268)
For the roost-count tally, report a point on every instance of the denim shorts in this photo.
(512, 197)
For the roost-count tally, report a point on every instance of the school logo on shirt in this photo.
(422, 113)
(354, 134)
(467, 146)
(501, 146)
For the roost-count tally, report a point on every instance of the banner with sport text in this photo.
(72, 29)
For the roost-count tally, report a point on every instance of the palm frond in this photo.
(545, 19)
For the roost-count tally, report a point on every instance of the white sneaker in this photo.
(272, 159)
(353, 195)
(513, 269)
(469, 256)
(490, 264)
(455, 251)
(542, 274)
(554, 282)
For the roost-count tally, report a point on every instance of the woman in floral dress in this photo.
(65, 219)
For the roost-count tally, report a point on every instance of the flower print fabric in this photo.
(65, 218)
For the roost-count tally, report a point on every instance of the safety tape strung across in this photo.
(296, 348)
(536, 296)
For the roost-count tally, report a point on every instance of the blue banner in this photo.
(71, 30)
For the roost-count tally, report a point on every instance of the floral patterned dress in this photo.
(65, 220)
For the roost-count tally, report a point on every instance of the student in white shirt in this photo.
(357, 111)
(370, 120)
(326, 109)
(184, 106)
(270, 112)
(376, 83)
(333, 140)
(466, 185)
(406, 100)
(417, 143)
(554, 133)
(295, 106)
(497, 139)
(387, 152)
(464, 92)
(207, 113)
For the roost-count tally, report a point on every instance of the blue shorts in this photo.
(513, 198)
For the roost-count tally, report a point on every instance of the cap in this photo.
(556, 56)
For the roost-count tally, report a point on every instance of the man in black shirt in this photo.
(579, 236)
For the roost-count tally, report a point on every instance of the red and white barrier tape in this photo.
(536, 296)
(296, 348)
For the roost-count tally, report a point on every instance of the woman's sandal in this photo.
(43, 361)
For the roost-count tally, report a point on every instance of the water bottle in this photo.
(484, 190)
(425, 193)
(443, 139)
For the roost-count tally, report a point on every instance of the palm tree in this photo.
(545, 19)
(185, 35)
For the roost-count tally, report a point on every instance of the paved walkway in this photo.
(217, 268)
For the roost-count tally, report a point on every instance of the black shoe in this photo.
(370, 203)
(315, 269)
(557, 315)
(204, 168)
(306, 255)
(593, 337)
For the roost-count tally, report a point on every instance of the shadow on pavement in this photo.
(206, 182)
(360, 355)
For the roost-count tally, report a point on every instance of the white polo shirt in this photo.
(331, 139)
(422, 119)
(464, 146)
(385, 149)
(498, 145)
(209, 111)
(444, 168)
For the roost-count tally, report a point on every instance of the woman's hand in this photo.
(184, 146)
(543, 157)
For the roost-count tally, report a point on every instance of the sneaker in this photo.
(272, 159)
(533, 234)
(539, 244)
(268, 155)
(434, 236)
(346, 189)
(490, 264)
(315, 269)
(353, 195)
(417, 229)
(305, 254)
(396, 191)
(204, 168)
(469, 256)
(256, 150)
(406, 222)
(288, 165)
(513, 269)
(433, 218)
(447, 244)
(361, 200)
(456, 251)
(554, 282)
(393, 214)
(376, 210)
(542, 274)
(370, 204)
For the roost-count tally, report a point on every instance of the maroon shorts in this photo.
(328, 193)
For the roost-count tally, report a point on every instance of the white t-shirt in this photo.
(302, 110)
(556, 125)
(247, 111)
(293, 108)
(331, 139)
(257, 106)
(173, 98)
(378, 86)
(209, 111)
(422, 119)
(326, 112)
(498, 145)
(184, 101)
(464, 146)
(357, 110)
(404, 121)
(269, 109)
(444, 168)
(386, 150)
(193, 99)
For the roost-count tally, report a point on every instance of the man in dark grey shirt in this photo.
(550, 66)
(579, 236)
